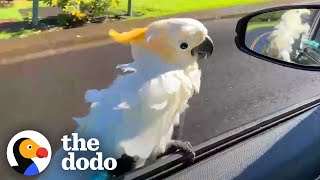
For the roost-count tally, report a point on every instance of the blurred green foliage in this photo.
(6, 3)
(75, 12)
(267, 17)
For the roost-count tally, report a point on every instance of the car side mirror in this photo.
(288, 36)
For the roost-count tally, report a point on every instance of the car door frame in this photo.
(172, 164)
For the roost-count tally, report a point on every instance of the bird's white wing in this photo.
(164, 97)
(157, 106)
(128, 115)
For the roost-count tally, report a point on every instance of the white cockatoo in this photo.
(293, 24)
(136, 115)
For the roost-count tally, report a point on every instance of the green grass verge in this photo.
(13, 12)
(157, 8)
(147, 8)
(18, 34)
(257, 25)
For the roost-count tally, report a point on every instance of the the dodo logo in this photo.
(29, 153)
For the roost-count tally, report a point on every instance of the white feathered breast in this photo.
(142, 108)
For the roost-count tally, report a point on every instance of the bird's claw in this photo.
(185, 147)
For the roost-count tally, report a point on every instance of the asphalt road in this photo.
(257, 38)
(44, 94)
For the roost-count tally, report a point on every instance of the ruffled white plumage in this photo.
(282, 39)
(136, 114)
(140, 105)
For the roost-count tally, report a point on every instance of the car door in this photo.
(283, 145)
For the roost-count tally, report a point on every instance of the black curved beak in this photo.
(305, 18)
(203, 50)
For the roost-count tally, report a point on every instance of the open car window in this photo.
(309, 54)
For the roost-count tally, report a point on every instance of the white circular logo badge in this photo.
(29, 153)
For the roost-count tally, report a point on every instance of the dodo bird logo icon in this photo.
(29, 153)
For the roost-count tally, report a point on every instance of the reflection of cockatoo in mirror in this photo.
(293, 24)
(134, 118)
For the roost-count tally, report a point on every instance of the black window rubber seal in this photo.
(172, 164)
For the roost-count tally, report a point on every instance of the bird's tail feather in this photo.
(55, 171)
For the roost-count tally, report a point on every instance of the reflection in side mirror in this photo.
(287, 35)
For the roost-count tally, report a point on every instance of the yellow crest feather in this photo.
(127, 37)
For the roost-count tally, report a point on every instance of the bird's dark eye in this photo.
(29, 147)
(184, 45)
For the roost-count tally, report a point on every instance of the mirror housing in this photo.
(242, 30)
